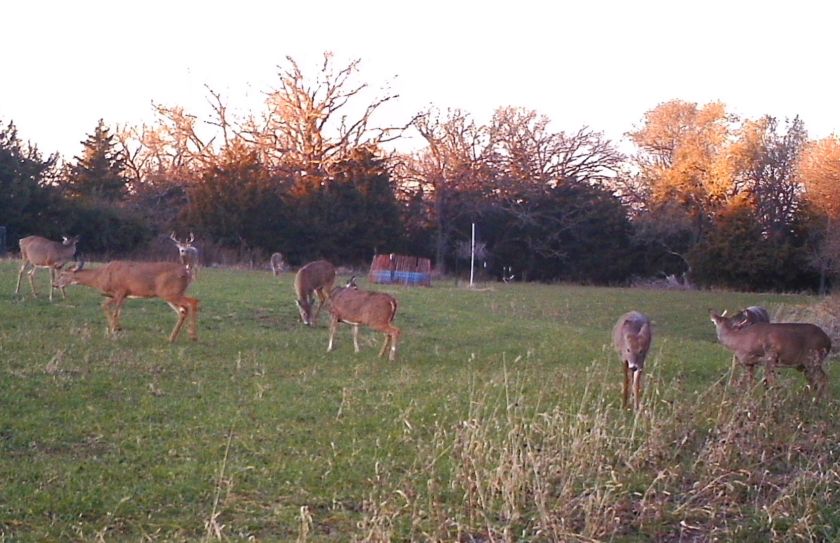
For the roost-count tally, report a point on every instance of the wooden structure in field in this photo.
(400, 270)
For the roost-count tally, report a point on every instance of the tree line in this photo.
(704, 195)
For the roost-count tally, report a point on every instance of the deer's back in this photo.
(144, 279)
(631, 322)
(363, 306)
(794, 343)
(39, 250)
(318, 274)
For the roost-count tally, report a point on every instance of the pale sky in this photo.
(603, 64)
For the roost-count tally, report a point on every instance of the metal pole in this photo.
(472, 256)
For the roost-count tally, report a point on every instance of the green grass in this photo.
(256, 432)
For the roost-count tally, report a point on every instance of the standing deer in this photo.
(797, 345)
(40, 252)
(188, 254)
(316, 277)
(746, 317)
(278, 264)
(631, 339)
(119, 280)
(373, 309)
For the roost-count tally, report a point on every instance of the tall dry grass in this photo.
(725, 464)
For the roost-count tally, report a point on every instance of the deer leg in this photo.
(31, 276)
(637, 388)
(193, 305)
(333, 328)
(118, 302)
(182, 312)
(20, 275)
(394, 335)
(356, 338)
(770, 370)
(626, 384)
(321, 298)
(385, 344)
(57, 272)
(817, 379)
(106, 308)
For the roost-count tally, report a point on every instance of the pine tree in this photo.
(99, 173)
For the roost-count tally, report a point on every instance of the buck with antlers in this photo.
(187, 253)
(373, 309)
(802, 346)
(119, 280)
(313, 278)
(631, 339)
(278, 264)
(39, 252)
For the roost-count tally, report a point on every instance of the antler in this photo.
(173, 238)
(192, 238)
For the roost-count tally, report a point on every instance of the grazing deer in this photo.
(373, 309)
(631, 339)
(798, 345)
(278, 264)
(316, 277)
(40, 252)
(119, 280)
(188, 254)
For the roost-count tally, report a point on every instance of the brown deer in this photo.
(39, 252)
(375, 310)
(119, 280)
(631, 338)
(278, 264)
(187, 253)
(802, 346)
(318, 278)
(746, 317)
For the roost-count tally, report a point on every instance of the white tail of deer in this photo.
(797, 345)
(120, 280)
(278, 264)
(631, 338)
(313, 278)
(187, 253)
(375, 310)
(39, 252)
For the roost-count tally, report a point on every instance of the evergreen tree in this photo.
(99, 173)
(26, 198)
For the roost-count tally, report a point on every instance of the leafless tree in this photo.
(312, 124)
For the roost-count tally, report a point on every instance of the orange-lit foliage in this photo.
(682, 155)
(819, 170)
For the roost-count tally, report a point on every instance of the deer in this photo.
(315, 277)
(39, 252)
(632, 336)
(119, 280)
(803, 346)
(355, 307)
(278, 264)
(746, 317)
(187, 253)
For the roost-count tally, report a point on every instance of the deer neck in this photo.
(730, 337)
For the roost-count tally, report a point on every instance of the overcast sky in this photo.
(66, 64)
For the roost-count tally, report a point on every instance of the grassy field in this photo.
(500, 421)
